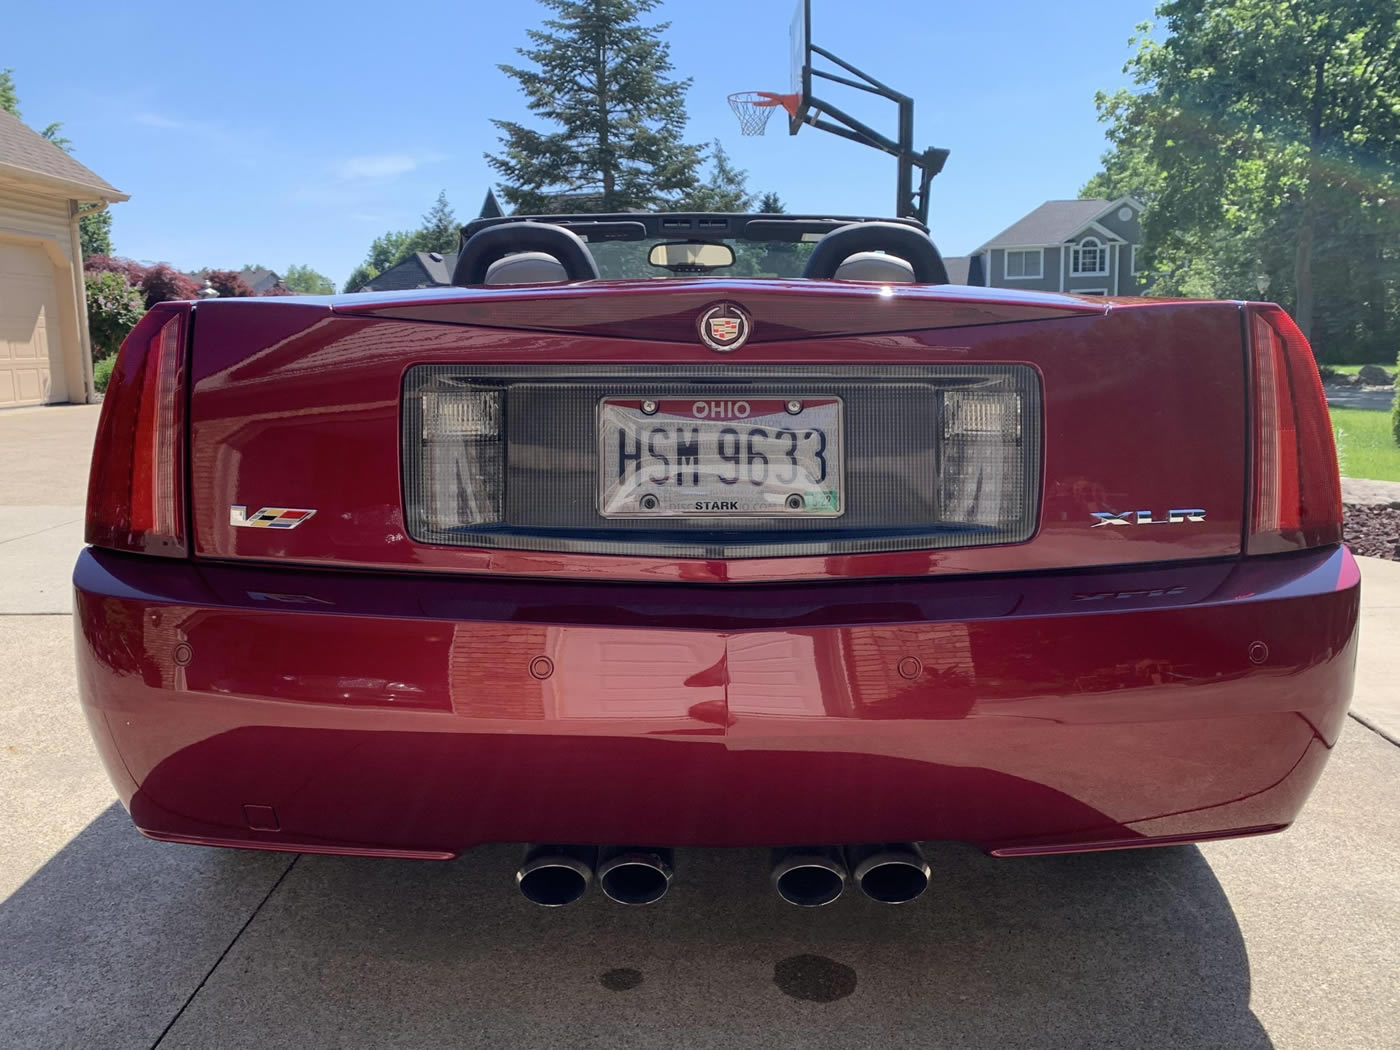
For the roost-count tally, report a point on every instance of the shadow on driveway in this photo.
(104, 944)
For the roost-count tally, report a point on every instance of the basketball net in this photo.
(753, 108)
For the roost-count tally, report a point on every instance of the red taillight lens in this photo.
(1297, 493)
(136, 488)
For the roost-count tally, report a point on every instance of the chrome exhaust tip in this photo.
(635, 874)
(889, 872)
(553, 876)
(809, 876)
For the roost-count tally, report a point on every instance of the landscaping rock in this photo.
(1372, 531)
(1374, 375)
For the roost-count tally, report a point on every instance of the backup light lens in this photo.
(463, 458)
(1297, 492)
(979, 477)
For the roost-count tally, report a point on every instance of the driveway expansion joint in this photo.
(223, 954)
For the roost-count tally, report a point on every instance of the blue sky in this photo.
(299, 132)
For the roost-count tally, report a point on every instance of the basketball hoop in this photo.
(753, 108)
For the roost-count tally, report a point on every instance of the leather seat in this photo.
(875, 266)
(526, 268)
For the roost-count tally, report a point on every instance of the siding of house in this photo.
(41, 224)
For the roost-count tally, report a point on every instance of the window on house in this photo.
(1133, 264)
(1089, 256)
(1025, 264)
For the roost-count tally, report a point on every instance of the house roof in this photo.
(418, 270)
(259, 279)
(957, 268)
(26, 154)
(1052, 223)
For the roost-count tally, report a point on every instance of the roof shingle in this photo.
(1052, 223)
(24, 151)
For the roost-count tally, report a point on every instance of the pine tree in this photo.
(9, 98)
(601, 78)
(727, 188)
(771, 204)
(440, 229)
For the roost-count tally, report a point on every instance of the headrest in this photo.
(875, 266)
(526, 268)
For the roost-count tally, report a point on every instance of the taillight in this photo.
(1297, 493)
(136, 488)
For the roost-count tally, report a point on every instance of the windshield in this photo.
(628, 260)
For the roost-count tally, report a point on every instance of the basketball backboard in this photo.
(801, 37)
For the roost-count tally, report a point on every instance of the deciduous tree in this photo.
(305, 280)
(1266, 133)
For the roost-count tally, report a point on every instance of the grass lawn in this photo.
(1351, 370)
(1365, 446)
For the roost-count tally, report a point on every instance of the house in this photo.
(261, 280)
(1086, 247)
(45, 355)
(417, 270)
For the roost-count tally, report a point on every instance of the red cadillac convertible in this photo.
(710, 530)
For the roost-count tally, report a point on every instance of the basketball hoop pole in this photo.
(804, 107)
(909, 204)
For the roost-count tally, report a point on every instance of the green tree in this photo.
(1266, 133)
(440, 229)
(9, 98)
(95, 232)
(601, 80)
(389, 249)
(305, 280)
(771, 204)
(360, 276)
(726, 189)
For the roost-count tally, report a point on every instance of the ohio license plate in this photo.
(720, 457)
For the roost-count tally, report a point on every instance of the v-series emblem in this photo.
(1144, 517)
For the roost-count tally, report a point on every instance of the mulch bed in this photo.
(1372, 531)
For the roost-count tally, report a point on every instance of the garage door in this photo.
(29, 325)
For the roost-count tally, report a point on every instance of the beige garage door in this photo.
(29, 326)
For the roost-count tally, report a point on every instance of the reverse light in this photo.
(1297, 491)
(980, 481)
(462, 455)
(136, 486)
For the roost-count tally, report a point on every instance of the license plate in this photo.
(720, 457)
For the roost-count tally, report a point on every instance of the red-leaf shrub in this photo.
(228, 283)
(163, 282)
(132, 270)
(278, 289)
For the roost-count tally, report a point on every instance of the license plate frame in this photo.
(805, 443)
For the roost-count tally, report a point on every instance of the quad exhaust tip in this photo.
(553, 876)
(635, 874)
(889, 872)
(809, 876)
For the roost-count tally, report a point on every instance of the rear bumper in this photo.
(418, 716)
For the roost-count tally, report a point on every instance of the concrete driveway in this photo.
(109, 941)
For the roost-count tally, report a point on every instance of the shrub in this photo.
(113, 307)
(102, 372)
(162, 283)
(133, 271)
(1395, 405)
(228, 283)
